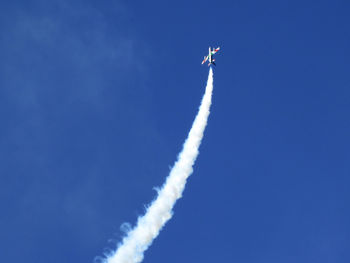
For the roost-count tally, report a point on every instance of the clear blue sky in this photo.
(97, 97)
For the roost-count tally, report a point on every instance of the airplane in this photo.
(210, 56)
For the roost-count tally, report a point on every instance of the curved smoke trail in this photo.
(159, 212)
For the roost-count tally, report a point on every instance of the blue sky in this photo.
(96, 99)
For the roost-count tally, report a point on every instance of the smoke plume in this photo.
(148, 226)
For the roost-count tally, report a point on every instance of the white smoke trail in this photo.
(159, 212)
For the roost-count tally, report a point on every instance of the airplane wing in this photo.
(205, 59)
(215, 50)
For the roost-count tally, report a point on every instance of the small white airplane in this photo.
(210, 57)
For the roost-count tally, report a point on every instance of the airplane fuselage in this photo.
(209, 56)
